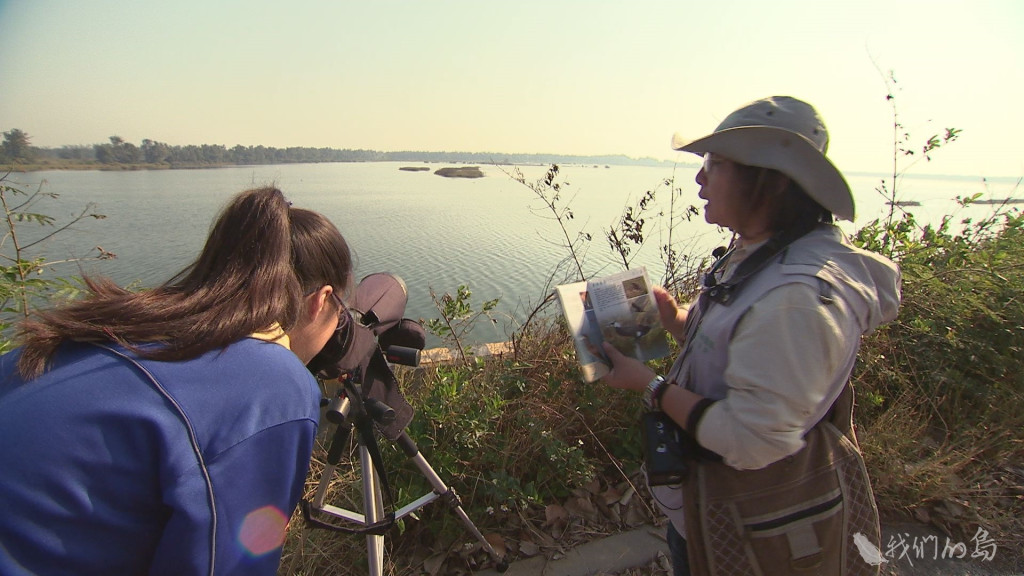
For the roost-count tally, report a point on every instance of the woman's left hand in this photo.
(627, 373)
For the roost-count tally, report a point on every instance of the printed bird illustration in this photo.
(639, 304)
(630, 330)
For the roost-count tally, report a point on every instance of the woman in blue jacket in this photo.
(169, 431)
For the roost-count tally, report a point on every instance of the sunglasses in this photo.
(712, 161)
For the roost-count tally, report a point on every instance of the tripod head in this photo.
(371, 335)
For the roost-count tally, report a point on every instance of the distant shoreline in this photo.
(450, 158)
(92, 165)
(194, 158)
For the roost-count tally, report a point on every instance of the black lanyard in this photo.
(725, 292)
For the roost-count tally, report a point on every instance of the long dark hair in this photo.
(260, 258)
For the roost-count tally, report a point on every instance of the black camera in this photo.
(667, 449)
(372, 335)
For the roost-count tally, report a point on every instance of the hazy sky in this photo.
(522, 76)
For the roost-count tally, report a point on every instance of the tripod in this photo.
(350, 410)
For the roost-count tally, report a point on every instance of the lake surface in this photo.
(492, 234)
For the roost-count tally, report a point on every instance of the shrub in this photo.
(940, 388)
(26, 276)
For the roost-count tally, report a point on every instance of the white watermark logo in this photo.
(868, 551)
(904, 547)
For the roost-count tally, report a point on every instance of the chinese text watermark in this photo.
(904, 547)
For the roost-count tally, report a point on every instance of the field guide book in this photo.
(619, 309)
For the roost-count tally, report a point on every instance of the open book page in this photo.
(619, 309)
(586, 333)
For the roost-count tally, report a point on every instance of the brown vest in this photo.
(797, 516)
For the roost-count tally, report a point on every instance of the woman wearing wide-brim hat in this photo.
(775, 482)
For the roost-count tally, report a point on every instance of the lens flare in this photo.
(263, 530)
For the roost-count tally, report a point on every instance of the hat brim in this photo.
(785, 151)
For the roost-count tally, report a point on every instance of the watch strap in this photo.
(653, 392)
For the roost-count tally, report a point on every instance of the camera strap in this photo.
(723, 292)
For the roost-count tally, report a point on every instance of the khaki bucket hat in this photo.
(784, 134)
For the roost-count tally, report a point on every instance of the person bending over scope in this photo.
(169, 431)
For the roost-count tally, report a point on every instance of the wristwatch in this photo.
(652, 393)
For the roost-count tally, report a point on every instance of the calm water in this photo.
(490, 233)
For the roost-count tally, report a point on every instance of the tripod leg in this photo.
(373, 507)
(412, 451)
(321, 489)
(338, 443)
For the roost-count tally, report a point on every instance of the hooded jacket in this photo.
(776, 355)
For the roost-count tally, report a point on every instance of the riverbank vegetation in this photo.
(27, 278)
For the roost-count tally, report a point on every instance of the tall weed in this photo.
(28, 279)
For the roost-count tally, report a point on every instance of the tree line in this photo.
(17, 149)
